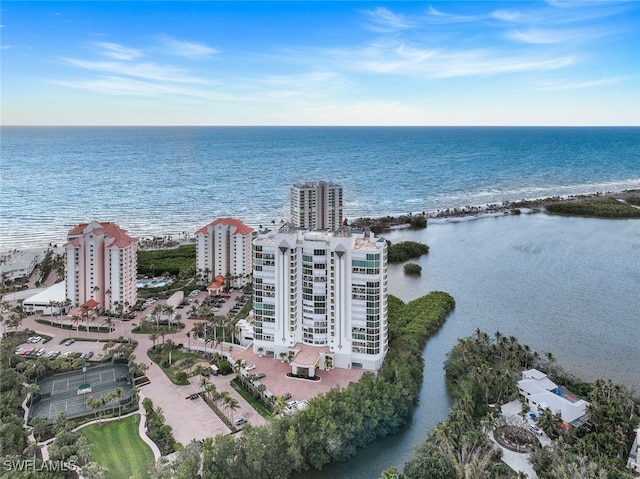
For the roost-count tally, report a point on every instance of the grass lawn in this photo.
(118, 446)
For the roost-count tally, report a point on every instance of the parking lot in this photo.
(64, 347)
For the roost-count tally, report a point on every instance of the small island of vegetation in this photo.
(406, 250)
(412, 268)
(607, 207)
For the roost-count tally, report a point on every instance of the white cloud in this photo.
(401, 59)
(114, 85)
(384, 20)
(117, 51)
(149, 70)
(581, 84)
(507, 16)
(547, 36)
(443, 17)
(187, 49)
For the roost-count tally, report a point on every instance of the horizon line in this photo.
(313, 126)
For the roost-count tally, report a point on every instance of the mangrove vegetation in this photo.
(335, 425)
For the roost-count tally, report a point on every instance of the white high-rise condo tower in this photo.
(320, 298)
(316, 205)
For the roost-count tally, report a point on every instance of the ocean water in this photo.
(170, 180)
(565, 285)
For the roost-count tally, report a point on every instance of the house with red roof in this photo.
(216, 288)
(101, 266)
(223, 248)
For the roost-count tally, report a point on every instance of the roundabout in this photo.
(515, 438)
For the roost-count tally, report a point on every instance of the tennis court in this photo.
(68, 392)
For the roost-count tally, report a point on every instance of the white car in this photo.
(535, 429)
(249, 367)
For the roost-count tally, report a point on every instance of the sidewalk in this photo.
(188, 419)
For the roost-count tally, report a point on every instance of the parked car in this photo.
(34, 339)
(69, 342)
(286, 396)
(535, 429)
(19, 350)
(249, 367)
(261, 375)
(241, 421)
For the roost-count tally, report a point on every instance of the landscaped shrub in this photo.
(225, 367)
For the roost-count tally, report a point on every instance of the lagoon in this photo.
(570, 286)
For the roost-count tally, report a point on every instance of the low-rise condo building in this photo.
(320, 298)
(223, 248)
(101, 265)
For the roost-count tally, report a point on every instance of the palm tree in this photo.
(211, 391)
(107, 298)
(551, 359)
(153, 336)
(169, 347)
(550, 423)
(156, 312)
(203, 383)
(108, 320)
(279, 405)
(118, 393)
(94, 404)
(169, 311)
(31, 389)
(232, 405)
(31, 449)
(76, 319)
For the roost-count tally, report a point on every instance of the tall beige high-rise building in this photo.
(316, 205)
(101, 265)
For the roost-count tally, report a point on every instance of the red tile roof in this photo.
(217, 282)
(89, 305)
(241, 228)
(119, 237)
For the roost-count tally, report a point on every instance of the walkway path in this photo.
(189, 419)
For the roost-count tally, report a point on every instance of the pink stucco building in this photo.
(101, 264)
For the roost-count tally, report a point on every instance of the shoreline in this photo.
(536, 205)
(447, 215)
(491, 210)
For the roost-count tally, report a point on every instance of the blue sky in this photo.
(321, 63)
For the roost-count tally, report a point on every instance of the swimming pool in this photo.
(152, 283)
